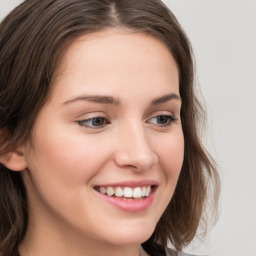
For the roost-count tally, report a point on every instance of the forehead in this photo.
(116, 58)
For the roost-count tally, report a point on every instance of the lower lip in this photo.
(129, 205)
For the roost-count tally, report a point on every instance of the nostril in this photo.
(136, 158)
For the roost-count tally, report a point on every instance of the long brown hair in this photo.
(32, 37)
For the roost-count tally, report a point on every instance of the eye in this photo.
(163, 120)
(94, 122)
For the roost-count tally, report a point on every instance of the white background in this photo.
(223, 35)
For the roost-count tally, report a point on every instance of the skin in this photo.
(66, 159)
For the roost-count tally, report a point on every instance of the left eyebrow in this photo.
(165, 98)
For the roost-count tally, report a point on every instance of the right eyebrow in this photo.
(165, 98)
(94, 98)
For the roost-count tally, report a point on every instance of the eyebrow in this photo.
(95, 98)
(165, 98)
(113, 101)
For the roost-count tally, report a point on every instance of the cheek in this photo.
(66, 157)
(61, 170)
(73, 160)
(171, 150)
(171, 155)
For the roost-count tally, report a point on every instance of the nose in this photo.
(134, 150)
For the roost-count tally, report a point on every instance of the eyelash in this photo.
(84, 121)
(168, 118)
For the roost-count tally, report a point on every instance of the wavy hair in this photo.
(32, 37)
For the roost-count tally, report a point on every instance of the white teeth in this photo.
(148, 190)
(127, 192)
(119, 192)
(136, 193)
(103, 190)
(110, 191)
(143, 191)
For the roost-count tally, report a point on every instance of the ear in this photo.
(14, 160)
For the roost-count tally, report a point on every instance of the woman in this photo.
(99, 146)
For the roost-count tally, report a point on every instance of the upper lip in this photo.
(130, 183)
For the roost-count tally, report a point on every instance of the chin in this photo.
(127, 235)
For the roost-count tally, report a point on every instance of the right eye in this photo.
(94, 122)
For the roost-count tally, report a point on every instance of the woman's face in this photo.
(111, 125)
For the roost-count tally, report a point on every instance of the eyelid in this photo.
(170, 115)
(90, 116)
(161, 113)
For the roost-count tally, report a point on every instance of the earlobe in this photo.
(14, 160)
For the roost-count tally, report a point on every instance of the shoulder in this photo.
(170, 252)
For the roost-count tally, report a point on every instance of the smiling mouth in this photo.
(137, 193)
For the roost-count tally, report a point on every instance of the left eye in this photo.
(95, 122)
(163, 120)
